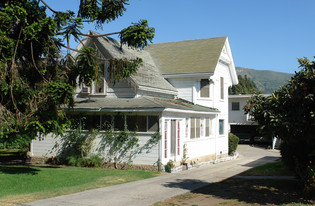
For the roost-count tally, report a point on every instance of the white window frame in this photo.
(221, 127)
(222, 88)
(195, 120)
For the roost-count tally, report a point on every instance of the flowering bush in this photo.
(169, 166)
(310, 179)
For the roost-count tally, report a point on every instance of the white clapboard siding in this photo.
(121, 90)
(45, 148)
(200, 147)
(184, 87)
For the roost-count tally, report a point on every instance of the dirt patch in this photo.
(243, 192)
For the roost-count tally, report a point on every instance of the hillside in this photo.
(265, 80)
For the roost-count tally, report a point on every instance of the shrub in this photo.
(233, 142)
(94, 161)
(309, 187)
(79, 161)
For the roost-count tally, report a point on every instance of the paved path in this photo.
(149, 191)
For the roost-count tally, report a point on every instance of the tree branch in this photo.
(35, 63)
(48, 6)
(101, 35)
(12, 67)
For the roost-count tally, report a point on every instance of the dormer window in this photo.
(205, 88)
(99, 86)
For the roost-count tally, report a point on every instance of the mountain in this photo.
(265, 80)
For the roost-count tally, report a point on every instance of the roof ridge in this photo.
(187, 40)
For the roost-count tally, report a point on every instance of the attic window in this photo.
(205, 88)
(99, 86)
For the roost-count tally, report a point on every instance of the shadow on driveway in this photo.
(250, 191)
(261, 161)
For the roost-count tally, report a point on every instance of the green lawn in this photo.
(270, 169)
(20, 184)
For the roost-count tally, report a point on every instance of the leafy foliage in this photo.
(245, 86)
(75, 147)
(137, 34)
(130, 67)
(290, 115)
(233, 143)
(36, 78)
(120, 147)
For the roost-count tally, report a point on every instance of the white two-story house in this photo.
(180, 91)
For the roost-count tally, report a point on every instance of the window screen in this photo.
(119, 122)
(197, 127)
(207, 127)
(192, 128)
(137, 123)
(153, 123)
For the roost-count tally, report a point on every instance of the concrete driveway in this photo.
(147, 192)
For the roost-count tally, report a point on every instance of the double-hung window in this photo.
(221, 126)
(194, 128)
(205, 88)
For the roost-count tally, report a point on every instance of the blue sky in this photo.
(264, 35)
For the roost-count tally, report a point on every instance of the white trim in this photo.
(235, 96)
(231, 66)
(189, 111)
(143, 110)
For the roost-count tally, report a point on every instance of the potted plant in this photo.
(184, 159)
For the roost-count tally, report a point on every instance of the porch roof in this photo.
(144, 103)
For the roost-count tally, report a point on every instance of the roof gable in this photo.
(147, 76)
(192, 56)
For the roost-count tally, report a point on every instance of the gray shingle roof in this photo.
(192, 56)
(141, 103)
(148, 74)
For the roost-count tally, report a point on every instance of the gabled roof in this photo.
(144, 103)
(192, 56)
(147, 76)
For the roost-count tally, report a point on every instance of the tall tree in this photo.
(289, 114)
(245, 86)
(36, 78)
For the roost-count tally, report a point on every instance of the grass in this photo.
(270, 169)
(239, 191)
(20, 184)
